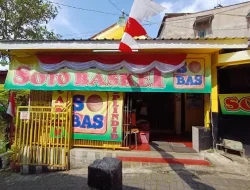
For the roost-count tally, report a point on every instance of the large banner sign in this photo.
(235, 104)
(97, 116)
(60, 99)
(193, 77)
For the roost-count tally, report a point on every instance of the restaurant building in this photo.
(84, 93)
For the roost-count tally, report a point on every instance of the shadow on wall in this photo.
(235, 128)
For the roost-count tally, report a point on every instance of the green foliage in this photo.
(2, 146)
(21, 96)
(26, 19)
(23, 20)
(21, 100)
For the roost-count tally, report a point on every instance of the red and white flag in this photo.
(12, 106)
(141, 9)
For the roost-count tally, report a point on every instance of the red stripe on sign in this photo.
(125, 48)
(136, 58)
(165, 160)
(134, 28)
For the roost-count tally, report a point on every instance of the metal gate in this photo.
(127, 121)
(42, 136)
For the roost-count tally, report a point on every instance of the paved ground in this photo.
(77, 179)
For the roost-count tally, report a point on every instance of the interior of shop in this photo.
(234, 80)
(157, 117)
(155, 108)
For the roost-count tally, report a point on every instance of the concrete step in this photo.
(81, 157)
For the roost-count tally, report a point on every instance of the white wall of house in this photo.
(228, 21)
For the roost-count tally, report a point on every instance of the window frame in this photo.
(202, 25)
(204, 31)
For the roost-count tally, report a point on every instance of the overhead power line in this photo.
(83, 9)
(181, 20)
(80, 34)
(118, 8)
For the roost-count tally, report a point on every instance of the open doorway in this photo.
(157, 109)
(165, 120)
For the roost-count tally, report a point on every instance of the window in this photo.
(203, 25)
(202, 33)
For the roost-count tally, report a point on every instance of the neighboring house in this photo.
(229, 21)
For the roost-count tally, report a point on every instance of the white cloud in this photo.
(185, 6)
(169, 8)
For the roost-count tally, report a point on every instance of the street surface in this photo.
(77, 180)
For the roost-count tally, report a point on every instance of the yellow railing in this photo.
(98, 144)
(43, 136)
(44, 98)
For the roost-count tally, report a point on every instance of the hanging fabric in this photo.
(136, 63)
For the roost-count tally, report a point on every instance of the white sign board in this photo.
(24, 115)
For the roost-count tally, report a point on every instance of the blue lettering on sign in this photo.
(189, 80)
(78, 101)
(77, 122)
(98, 121)
(198, 79)
(180, 80)
(86, 122)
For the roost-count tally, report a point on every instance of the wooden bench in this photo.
(232, 145)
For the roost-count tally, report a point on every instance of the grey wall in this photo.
(228, 22)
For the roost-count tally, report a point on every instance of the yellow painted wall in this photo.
(235, 58)
(114, 32)
(199, 116)
(214, 94)
(225, 60)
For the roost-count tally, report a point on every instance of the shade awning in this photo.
(135, 63)
(203, 20)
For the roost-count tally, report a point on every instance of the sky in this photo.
(73, 23)
(79, 24)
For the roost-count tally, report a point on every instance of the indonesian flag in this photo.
(141, 9)
(12, 106)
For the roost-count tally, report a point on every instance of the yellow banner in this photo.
(235, 104)
(60, 99)
(97, 115)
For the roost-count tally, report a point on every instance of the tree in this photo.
(23, 20)
(26, 19)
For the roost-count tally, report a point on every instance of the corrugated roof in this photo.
(167, 39)
(111, 44)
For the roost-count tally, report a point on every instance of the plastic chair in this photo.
(130, 132)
